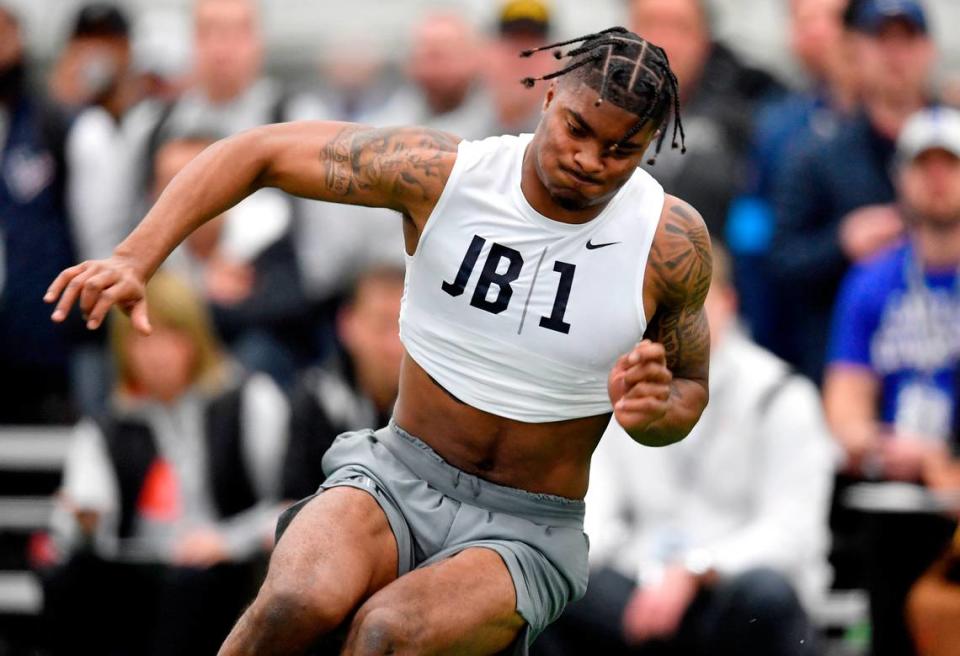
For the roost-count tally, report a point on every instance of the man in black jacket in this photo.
(350, 392)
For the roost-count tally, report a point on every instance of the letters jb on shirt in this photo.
(494, 291)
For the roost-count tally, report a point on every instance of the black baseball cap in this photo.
(99, 19)
(525, 17)
(871, 15)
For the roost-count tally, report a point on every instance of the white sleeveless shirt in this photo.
(517, 314)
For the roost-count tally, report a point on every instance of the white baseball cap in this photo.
(934, 128)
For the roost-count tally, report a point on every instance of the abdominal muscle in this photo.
(549, 458)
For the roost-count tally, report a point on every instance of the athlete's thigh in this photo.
(337, 551)
(465, 605)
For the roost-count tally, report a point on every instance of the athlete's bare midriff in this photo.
(551, 458)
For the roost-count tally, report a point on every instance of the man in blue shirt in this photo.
(890, 384)
(821, 39)
(832, 198)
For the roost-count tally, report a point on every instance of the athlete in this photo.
(536, 265)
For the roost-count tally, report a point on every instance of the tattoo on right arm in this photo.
(400, 167)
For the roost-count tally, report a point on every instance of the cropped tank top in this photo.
(517, 314)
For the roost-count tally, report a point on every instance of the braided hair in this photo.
(628, 71)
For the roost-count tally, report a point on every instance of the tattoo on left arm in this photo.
(682, 267)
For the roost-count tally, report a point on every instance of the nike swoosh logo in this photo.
(593, 247)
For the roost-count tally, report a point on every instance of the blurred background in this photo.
(812, 511)
(299, 32)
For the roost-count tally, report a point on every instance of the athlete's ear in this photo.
(550, 95)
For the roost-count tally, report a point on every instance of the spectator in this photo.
(833, 199)
(244, 264)
(444, 71)
(336, 242)
(890, 385)
(821, 44)
(353, 392)
(353, 79)
(933, 605)
(35, 242)
(717, 93)
(168, 501)
(230, 94)
(522, 25)
(703, 547)
(162, 52)
(94, 66)
(93, 75)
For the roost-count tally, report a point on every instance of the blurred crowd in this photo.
(834, 206)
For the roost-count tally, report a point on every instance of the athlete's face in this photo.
(580, 158)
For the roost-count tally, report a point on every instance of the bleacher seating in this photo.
(31, 462)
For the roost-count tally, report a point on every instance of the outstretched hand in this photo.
(99, 285)
(639, 386)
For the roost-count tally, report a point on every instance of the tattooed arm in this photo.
(404, 169)
(660, 388)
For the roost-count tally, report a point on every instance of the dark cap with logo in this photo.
(871, 15)
(524, 17)
(99, 19)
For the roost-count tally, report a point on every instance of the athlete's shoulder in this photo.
(497, 146)
(681, 258)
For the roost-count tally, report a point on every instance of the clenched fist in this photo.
(100, 285)
(639, 386)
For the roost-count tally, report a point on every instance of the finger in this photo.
(122, 294)
(617, 388)
(638, 413)
(93, 288)
(107, 300)
(60, 282)
(622, 363)
(140, 317)
(647, 351)
(650, 372)
(70, 294)
(644, 390)
(641, 405)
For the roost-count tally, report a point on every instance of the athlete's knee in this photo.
(287, 606)
(382, 630)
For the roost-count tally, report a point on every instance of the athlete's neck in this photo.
(539, 197)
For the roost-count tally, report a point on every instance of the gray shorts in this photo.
(436, 511)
